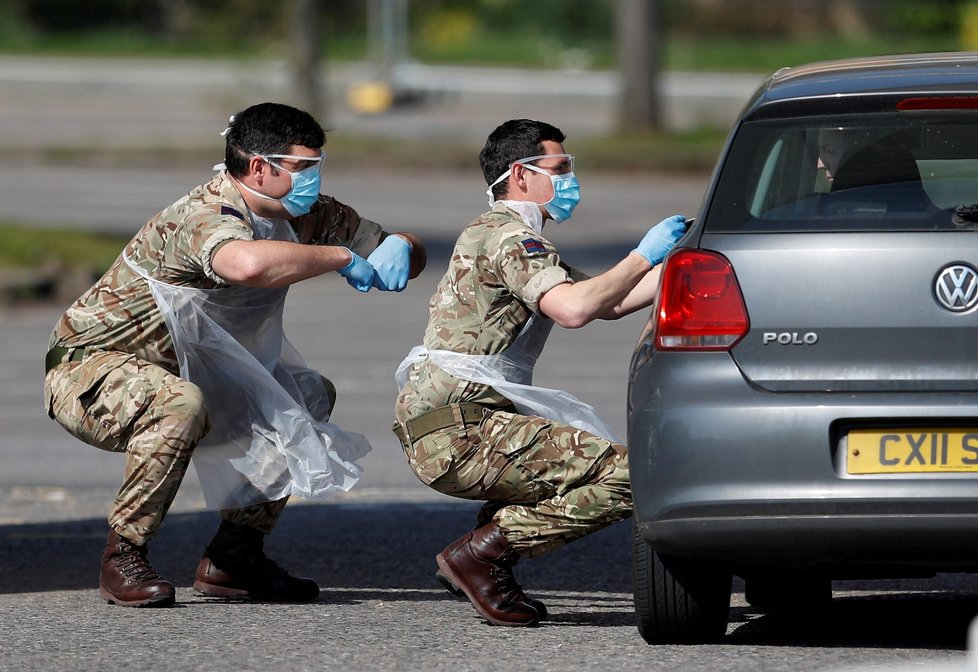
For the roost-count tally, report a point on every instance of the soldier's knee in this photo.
(183, 404)
(612, 467)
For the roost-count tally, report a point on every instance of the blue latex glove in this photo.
(661, 238)
(358, 273)
(392, 261)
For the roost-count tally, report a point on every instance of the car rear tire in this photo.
(678, 600)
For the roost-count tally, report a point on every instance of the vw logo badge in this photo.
(956, 288)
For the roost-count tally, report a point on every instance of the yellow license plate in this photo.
(912, 451)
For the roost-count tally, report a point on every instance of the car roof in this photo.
(863, 84)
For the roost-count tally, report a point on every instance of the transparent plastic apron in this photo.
(268, 411)
(511, 374)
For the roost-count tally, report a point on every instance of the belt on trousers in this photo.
(453, 415)
(56, 356)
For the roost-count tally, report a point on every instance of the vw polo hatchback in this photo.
(803, 404)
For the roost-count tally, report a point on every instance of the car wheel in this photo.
(787, 591)
(678, 600)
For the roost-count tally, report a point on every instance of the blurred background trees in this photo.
(542, 33)
(638, 38)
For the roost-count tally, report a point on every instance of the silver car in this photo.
(803, 404)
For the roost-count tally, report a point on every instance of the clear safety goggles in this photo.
(565, 166)
(312, 161)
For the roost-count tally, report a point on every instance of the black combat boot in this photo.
(235, 566)
(127, 578)
(480, 565)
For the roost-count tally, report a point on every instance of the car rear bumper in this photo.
(936, 535)
(724, 471)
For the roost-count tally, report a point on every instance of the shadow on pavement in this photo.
(909, 620)
(381, 546)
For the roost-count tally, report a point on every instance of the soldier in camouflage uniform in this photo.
(545, 483)
(112, 378)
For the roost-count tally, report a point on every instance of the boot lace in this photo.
(507, 587)
(133, 565)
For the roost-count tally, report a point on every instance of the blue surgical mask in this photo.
(567, 194)
(304, 191)
(305, 184)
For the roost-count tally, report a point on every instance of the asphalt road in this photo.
(371, 550)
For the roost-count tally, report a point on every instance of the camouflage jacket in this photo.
(177, 245)
(499, 270)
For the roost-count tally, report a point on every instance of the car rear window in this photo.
(901, 171)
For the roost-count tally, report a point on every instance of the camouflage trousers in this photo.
(545, 484)
(117, 402)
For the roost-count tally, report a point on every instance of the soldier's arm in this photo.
(275, 263)
(623, 289)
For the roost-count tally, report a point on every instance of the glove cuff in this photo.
(353, 260)
(645, 256)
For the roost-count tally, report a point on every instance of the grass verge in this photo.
(39, 263)
(27, 247)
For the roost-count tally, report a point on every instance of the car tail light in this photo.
(938, 103)
(700, 305)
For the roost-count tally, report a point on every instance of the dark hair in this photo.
(513, 140)
(268, 128)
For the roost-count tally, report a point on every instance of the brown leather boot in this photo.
(127, 578)
(480, 565)
(443, 579)
(235, 566)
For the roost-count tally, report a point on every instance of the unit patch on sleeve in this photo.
(534, 246)
(228, 210)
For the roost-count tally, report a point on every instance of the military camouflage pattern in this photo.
(176, 246)
(116, 402)
(545, 483)
(492, 286)
(125, 394)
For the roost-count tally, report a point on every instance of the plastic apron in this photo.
(511, 374)
(270, 436)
